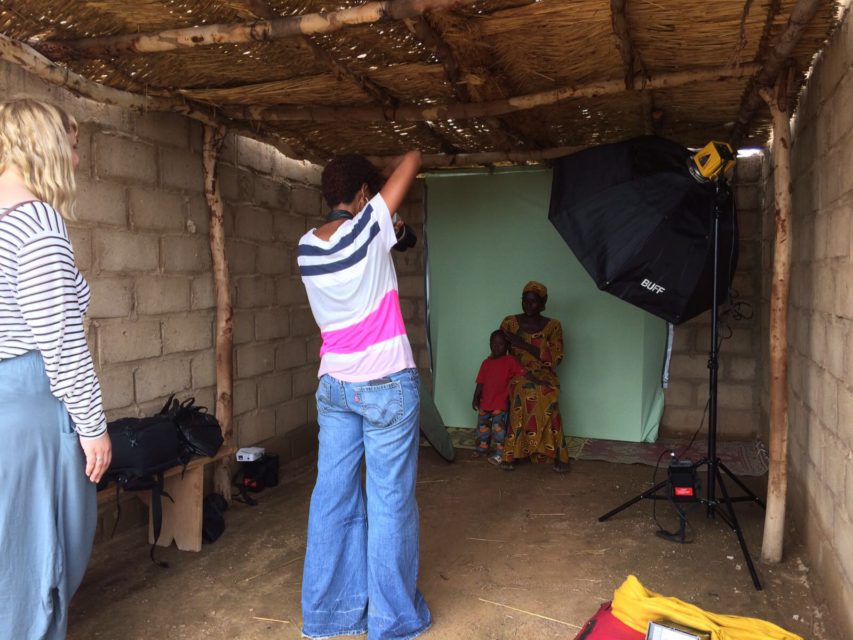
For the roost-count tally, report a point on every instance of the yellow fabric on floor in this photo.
(636, 606)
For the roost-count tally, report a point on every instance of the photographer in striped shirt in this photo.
(361, 562)
(52, 425)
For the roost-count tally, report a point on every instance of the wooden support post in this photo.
(777, 485)
(213, 139)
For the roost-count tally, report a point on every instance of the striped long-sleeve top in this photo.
(352, 289)
(43, 298)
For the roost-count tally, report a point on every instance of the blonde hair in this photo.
(34, 140)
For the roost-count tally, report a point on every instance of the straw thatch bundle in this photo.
(639, 67)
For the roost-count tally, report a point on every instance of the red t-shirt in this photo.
(494, 375)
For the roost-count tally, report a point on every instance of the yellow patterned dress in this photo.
(535, 425)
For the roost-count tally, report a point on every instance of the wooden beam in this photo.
(243, 32)
(35, 63)
(481, 109)
(619, 21)
(801, 16)
(224, 334)
(777, 483)
(486, 158)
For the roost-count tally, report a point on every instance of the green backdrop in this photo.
(488, 234)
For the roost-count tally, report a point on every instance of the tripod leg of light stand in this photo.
(648, 493)
(731, 520)
(749, 493)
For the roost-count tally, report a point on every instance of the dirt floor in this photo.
(504, 555)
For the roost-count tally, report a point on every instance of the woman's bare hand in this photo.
(99, 454)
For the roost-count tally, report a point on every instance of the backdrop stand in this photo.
(712, 461)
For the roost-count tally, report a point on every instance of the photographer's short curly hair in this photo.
(344, 175)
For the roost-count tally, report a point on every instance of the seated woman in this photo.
(535, 427)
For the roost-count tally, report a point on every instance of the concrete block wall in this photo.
(738, 375)
(820, 323)
(141, 240)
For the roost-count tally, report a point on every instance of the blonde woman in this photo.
(53, 442)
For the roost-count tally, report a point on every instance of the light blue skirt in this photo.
(48, 508)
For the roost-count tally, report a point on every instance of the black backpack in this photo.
(143, 449)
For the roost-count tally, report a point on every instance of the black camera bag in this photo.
(199, 430)
(143, 448)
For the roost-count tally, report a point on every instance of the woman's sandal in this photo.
(561, 467)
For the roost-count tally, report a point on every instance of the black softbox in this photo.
(641, 225)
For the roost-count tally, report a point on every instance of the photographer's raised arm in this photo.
(403, 170)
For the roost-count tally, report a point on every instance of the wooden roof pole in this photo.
(259, 30)
(34, 62)
(224, 333)
(777, 483)
(445, 161)
(619, 21)
(482, 109)
(801, 16)
(260, 9)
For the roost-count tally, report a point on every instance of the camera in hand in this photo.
(406, 238)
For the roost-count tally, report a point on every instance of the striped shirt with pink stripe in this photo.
(352, 289)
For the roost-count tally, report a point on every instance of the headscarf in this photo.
(536, 287)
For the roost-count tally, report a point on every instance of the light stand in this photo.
(715, 466)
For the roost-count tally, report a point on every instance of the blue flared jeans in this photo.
(361, 561)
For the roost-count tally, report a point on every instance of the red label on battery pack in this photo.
(684, 491)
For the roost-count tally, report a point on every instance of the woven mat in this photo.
(743, 458)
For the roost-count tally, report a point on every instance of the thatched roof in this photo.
(462, 77)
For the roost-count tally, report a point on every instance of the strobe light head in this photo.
(711, 162)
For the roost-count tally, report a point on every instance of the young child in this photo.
(491, 396)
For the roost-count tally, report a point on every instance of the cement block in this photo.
(156, 209)
(81, 245)
(255, 427)
(255, 155)
(229, 188)
(162, 294)
(290, 291)
(253, 223)
(736, 396)
(290, 353)
(274, 389)
(193, 332)
(181, 169)
(411, 286)
(255, 291)
(302, 322)
(242, 257)
(409, 262)
(186, 254)
(202, 293)
(243, 327)
(740, 368)
(680, 394)
(273, 259)
(203, 371)
(271, 193)
(254, 359)
(245, 396)
(127, 341)
(122, 251)
(163, 128)
(111, 297)
(306, 201)
(158, 378)
(305, 381)
(101, 201)
(313, 347)
(116, 386)
(198, 215)
(688, 367)
(291, 415)
(289, 228)
(271, 324)
(120, 157)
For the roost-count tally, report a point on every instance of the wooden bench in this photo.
(182, 519)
